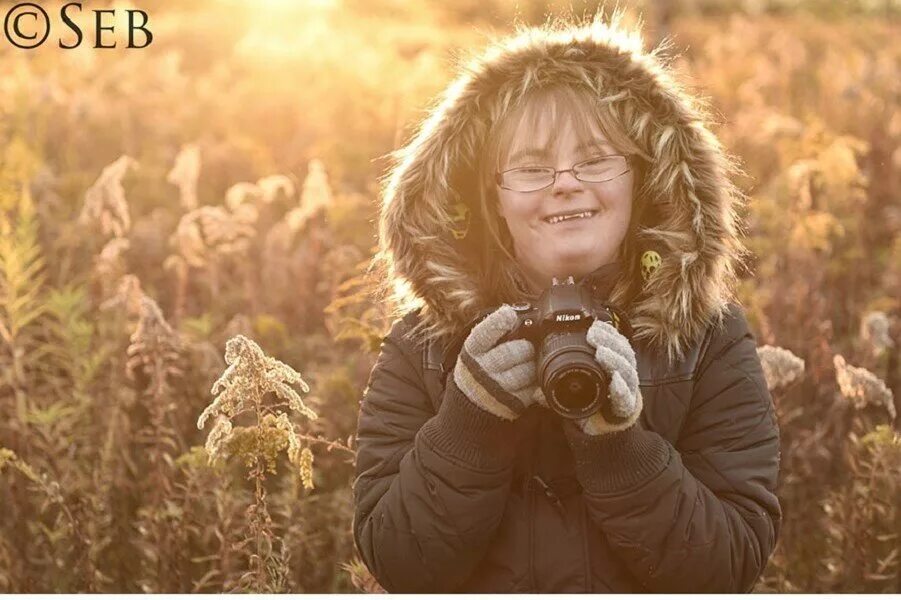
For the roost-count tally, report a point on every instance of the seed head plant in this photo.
(781, 368)
(120, 286)
(875, 332)
(110, 265)
(208, 238)
(128, 297)
(153, 355)
(179, 270)
(209, 232)
(316, 196)
(273, 185)
(185, 173)
(104, 202)
(265, 191)
(243, 389)
(153, 366)
(862, 388)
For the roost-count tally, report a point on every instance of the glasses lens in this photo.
(602, 168)
(528, 179)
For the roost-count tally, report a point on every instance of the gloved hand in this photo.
(614, 353)
(500, 379)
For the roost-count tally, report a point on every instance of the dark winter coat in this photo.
(449, 498)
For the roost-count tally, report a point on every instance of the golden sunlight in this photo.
(282, 28)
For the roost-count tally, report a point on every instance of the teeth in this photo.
(559, 218)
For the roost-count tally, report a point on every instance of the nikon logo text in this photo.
(568, 317)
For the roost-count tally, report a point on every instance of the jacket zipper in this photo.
(551, 496)
(548, 494)
(586, 548)
(529, 510)
(530, 504)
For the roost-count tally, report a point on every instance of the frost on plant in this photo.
(780, 366)
(861, 387)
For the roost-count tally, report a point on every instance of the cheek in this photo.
(624, 209)
(517, 210)
(619, 201)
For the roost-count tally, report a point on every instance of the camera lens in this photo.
(576, 388)
(573, 382)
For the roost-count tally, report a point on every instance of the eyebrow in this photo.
(542, 152)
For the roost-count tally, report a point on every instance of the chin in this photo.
(580, 256)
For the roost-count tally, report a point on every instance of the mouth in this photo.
(573, 216)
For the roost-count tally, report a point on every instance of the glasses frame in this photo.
(499, 175)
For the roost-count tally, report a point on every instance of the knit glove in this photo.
(499, 378)
(616, 356)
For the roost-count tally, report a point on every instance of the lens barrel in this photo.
(573, 383)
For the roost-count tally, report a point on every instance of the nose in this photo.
(566, 183)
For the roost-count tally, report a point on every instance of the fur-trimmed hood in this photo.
(693, 225)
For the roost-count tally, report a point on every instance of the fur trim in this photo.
(689, 177)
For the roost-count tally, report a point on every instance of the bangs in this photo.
(538, 120)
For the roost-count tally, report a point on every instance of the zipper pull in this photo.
(550, 495)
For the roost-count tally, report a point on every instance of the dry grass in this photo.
(215, 194)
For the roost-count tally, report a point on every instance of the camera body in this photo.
(573, 383)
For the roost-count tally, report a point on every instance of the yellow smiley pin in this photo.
(650, 262)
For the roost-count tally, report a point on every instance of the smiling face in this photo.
(546, 249)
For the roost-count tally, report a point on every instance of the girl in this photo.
(565, 151)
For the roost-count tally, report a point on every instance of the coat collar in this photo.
(603, 278)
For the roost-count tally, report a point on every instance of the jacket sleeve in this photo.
(430, 489)
(702, 516)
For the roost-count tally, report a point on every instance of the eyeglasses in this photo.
(594, 170)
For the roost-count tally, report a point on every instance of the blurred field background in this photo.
(221, 185)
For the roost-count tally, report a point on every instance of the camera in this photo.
(574, 384)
